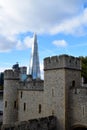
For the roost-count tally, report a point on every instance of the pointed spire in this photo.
(34, 68)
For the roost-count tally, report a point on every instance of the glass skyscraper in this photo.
(34, 68)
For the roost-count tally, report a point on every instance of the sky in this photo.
(60, 25)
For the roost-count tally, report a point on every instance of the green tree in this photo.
(1, 80)
(84, 68)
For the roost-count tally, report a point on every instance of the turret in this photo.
(62, 61)
(61, 73)
(10, 114)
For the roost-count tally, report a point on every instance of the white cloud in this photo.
(18, 16)
(6, 44)
(38, 16)
(9, 43)
(26, 43)
(60, 43)
(75, 25)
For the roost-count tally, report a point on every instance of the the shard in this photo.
(34, 68)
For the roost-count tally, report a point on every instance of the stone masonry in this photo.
(60, 95)
(46, 123)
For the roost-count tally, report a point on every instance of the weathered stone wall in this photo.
(61, 96)
(32, 100)
(72, 80)
(33, 85)
(61, 72)
(78, 107)
(47, 123)
(30, 94)
(62, 61)
(10, 111)
(54, 95)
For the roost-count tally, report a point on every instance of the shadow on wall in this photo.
(80, 127)
(46, 123)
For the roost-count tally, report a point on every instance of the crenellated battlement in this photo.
(33, 85)
(62, 61)
(11, 74)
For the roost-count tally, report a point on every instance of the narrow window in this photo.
(73, 83)
(24, 106)
(21, 94)
(83, 110)
(15, 104)
(39, 108)
(5, 103)
(52, 92)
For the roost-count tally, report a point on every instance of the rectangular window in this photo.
(52, 92)
(24, 106)
(39, 108)
(73, 83)
(5, 103)
(83, 109)
(21, 94)
(15, 104)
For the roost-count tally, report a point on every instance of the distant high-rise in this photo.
(34, 68)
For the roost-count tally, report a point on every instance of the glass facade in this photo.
(34, 68)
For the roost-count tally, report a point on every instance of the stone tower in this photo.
(34, 68)
(61, 73)
(10, 112)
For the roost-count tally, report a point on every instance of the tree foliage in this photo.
(1, 80)
(84, 68)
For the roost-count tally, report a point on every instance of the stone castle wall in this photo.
(61, 96)
(54, 95)
(30, 96)
(61, 72)
(78, 106)
(62, 61)
(31, 105)
(46, 123)
(72, 81)
(10, 112)
(10, 74)
(33, 85)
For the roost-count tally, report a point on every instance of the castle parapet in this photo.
(11, 74)
(62, 61)
(33, 85)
